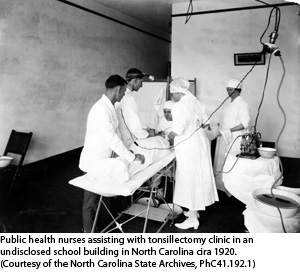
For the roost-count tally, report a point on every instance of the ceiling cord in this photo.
(190, 10)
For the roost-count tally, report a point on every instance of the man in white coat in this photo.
(234, 122)
(135, 136)
(130, 125)
(101, 140)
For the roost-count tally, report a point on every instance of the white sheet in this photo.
(248, 175)
(126, 189)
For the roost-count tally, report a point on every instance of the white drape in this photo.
(150, 99)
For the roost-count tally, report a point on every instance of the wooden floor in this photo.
(48, 204)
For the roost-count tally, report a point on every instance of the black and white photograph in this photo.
(177, 117)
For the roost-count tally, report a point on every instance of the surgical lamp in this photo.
(139, 75)
(150, 77)
(270, 47)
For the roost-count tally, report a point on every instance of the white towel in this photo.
(227, 135)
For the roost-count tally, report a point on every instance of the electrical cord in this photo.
(277, 22)
(262, 2)
(162, 132)
(255, 133)
(190, 10)
(262, 98)
(201, 126)
(221, 171)
(135, 139)
(276, 144)
(229, 95)
(166, 129)
(132, 136)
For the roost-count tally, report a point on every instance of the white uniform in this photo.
(194, 183)
(153, 148)
(102, 135)
(129, 122)
(233, 114)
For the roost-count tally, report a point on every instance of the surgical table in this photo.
(163, 167)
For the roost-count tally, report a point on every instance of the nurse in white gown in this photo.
(194, 182)
(234, 122)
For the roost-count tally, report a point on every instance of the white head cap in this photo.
(179, 85)
(235, 83)
(168, 104)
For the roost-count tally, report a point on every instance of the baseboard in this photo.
(59, 159)
(39, 168)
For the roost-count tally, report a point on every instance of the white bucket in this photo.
(289, 189)
(287, 202)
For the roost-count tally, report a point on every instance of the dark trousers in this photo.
(89, 208)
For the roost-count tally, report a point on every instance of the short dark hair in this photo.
(134, 73)
(114, 81)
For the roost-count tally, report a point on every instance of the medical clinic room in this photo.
(149, 116)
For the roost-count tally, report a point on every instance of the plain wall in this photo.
(204, 48)
(54, 60)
